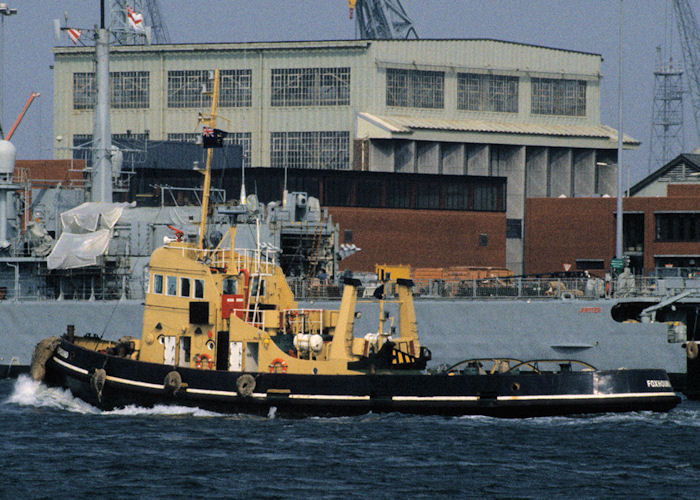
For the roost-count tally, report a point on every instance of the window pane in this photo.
(310, 87)
(171, 285)
(229, 286)
(415, 89)
(428, 196)
(558, 97)
(157, 283)
(477, 92)
(184, 287)
(322, 150)
(198, 289)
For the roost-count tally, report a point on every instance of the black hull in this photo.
(13, 371)
(129, 382)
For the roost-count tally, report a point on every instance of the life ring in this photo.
(567, 296)
(691, 348)
(200, 358)
(278, 365)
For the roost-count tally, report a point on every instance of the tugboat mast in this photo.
(210, 122)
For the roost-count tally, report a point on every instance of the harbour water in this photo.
(54, 444)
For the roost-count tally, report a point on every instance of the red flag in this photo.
(74, 34)
(135, 19)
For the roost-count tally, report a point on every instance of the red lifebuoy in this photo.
(278, 363)
(200, 358)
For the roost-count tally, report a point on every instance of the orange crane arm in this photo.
(21, 115)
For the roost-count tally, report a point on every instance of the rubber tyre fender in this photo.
(172, 382)
(97, 382)
(42, 352)
(245, 385)
(691, 349)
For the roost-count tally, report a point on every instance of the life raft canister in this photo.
(278, 365)
(200, 359)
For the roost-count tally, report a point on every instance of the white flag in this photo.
(74, 34)
(135, 19)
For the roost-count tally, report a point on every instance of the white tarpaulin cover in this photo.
(78, 250)
(91, 216)
(87, 230)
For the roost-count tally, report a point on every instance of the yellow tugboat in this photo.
(222, 331)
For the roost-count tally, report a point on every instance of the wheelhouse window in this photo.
(198, 289)
(171, 285)
(230, 286)
(254, 284)
(158, 283)
(185, 287)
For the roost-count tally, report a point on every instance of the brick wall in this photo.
(421, 238)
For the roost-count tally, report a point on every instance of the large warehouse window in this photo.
(325, 150)
(240, 138)
(185, 88)
(310, 86)
(677, 226)
(487, 92)
(129, 90)
(558, 97)
(235, 89)
(415, 89)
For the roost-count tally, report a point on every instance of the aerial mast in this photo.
(690, 42)
(210, 122)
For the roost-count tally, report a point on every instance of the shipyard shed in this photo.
(661, 226)
(470, 107)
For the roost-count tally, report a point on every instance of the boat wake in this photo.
(28, 392)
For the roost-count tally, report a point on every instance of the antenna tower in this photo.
(383, 20)
(666, 140)
(119, 25)
(690, 42)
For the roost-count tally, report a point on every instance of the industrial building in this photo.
(661, 226)
(473, 108)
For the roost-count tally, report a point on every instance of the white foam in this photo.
(28, 392)
(162, 410)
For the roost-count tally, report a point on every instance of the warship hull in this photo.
(459, 329)
(110, 382)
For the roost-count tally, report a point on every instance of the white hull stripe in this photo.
(69, 366)
(426, 399)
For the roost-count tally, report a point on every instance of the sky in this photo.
(582, 25)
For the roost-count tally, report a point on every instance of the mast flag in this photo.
(74, 34)
(135, 20)
(213, 137)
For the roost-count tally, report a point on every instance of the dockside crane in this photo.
(381, 20)
(690, 42)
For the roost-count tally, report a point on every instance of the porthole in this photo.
(210, 345)
(515, 387)
(161, 339)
